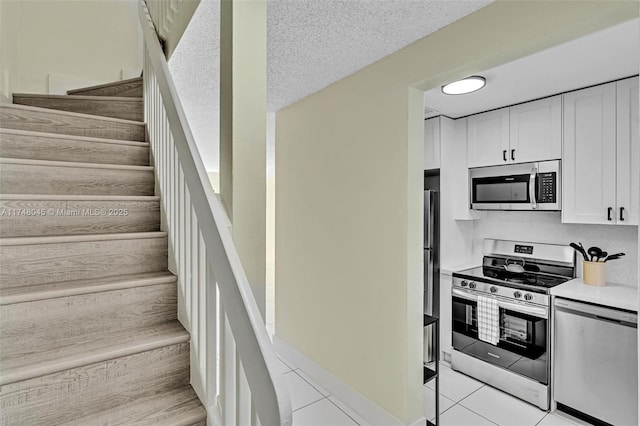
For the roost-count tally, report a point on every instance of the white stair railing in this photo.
(233, 364)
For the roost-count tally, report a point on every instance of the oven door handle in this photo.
(532, 188)
(536, 311)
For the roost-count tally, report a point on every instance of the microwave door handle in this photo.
(532, 188)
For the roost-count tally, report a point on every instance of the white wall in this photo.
(67, 43)
(348, 213)
(9, 30)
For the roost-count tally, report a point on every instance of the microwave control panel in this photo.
(547, 187)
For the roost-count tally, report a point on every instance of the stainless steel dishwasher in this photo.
(596, 361)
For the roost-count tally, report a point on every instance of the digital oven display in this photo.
(523, 249)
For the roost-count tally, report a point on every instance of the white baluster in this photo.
(228, 371)
(212, 325)
(243, 396)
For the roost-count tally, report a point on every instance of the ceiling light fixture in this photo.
(466, 85)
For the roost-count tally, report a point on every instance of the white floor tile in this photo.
(429, 396)
(355, 416)
(454, 385)
(319, 388)
(553, 419)
(302, 393)
(460, 416)
(322, 413)
(502, 409)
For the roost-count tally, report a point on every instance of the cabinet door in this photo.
(535, 130)
(628, 150)
(432, 143)
(488, 138)
(589, 155)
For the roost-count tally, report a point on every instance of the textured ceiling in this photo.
(313, 43)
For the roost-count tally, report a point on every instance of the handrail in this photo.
(184, 184)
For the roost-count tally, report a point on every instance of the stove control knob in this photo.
(493, 289)
(463, 283)
(528, 296)
(517, 294)
(472, 285)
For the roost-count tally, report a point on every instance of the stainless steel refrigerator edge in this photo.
(431, 252)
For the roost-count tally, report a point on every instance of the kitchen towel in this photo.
(488, 320)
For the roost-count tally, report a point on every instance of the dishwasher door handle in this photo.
(625, 318)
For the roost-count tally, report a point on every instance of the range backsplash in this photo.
(545, 227)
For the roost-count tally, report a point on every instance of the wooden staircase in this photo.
(88, 309)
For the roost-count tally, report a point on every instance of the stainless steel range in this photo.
(501, 316)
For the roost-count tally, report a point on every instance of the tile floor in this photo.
(463, 402)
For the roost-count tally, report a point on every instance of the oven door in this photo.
(523, 345)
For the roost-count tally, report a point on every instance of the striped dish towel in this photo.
(488, 320)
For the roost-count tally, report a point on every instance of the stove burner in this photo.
(555, 265)
(530, 278)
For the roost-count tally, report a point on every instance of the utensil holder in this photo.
(594, 273)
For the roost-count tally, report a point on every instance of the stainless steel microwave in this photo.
(526, 186)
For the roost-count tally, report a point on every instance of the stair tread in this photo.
(81, 97)
(49, 163)
(75, 197)
(87, 390)
(34, 292)
(73, 137)
(96, 349)
(79, 238)
(105, 85)
(176, 407)
(127, 108)
(71, 114)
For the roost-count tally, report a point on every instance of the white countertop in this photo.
(449, 269)
(612, 294)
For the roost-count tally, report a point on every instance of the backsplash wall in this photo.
(545, 227)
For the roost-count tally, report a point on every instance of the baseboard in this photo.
(363, 406)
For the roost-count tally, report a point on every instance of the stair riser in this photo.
(48, 263)
(36, 147)
(151, 411)
(71, 394)
(37, 179)
(127, 88)
(47, 325)
(77, 217)
(61, 123)
(131, 109)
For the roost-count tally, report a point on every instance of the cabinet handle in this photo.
(504, 155)
(609, 211)
(622, 214)
(513, 155)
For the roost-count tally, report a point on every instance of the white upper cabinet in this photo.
(432, 143)
(488, 138)
(589, 155)
(628, 152)
(535, 130)
(519, 134)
